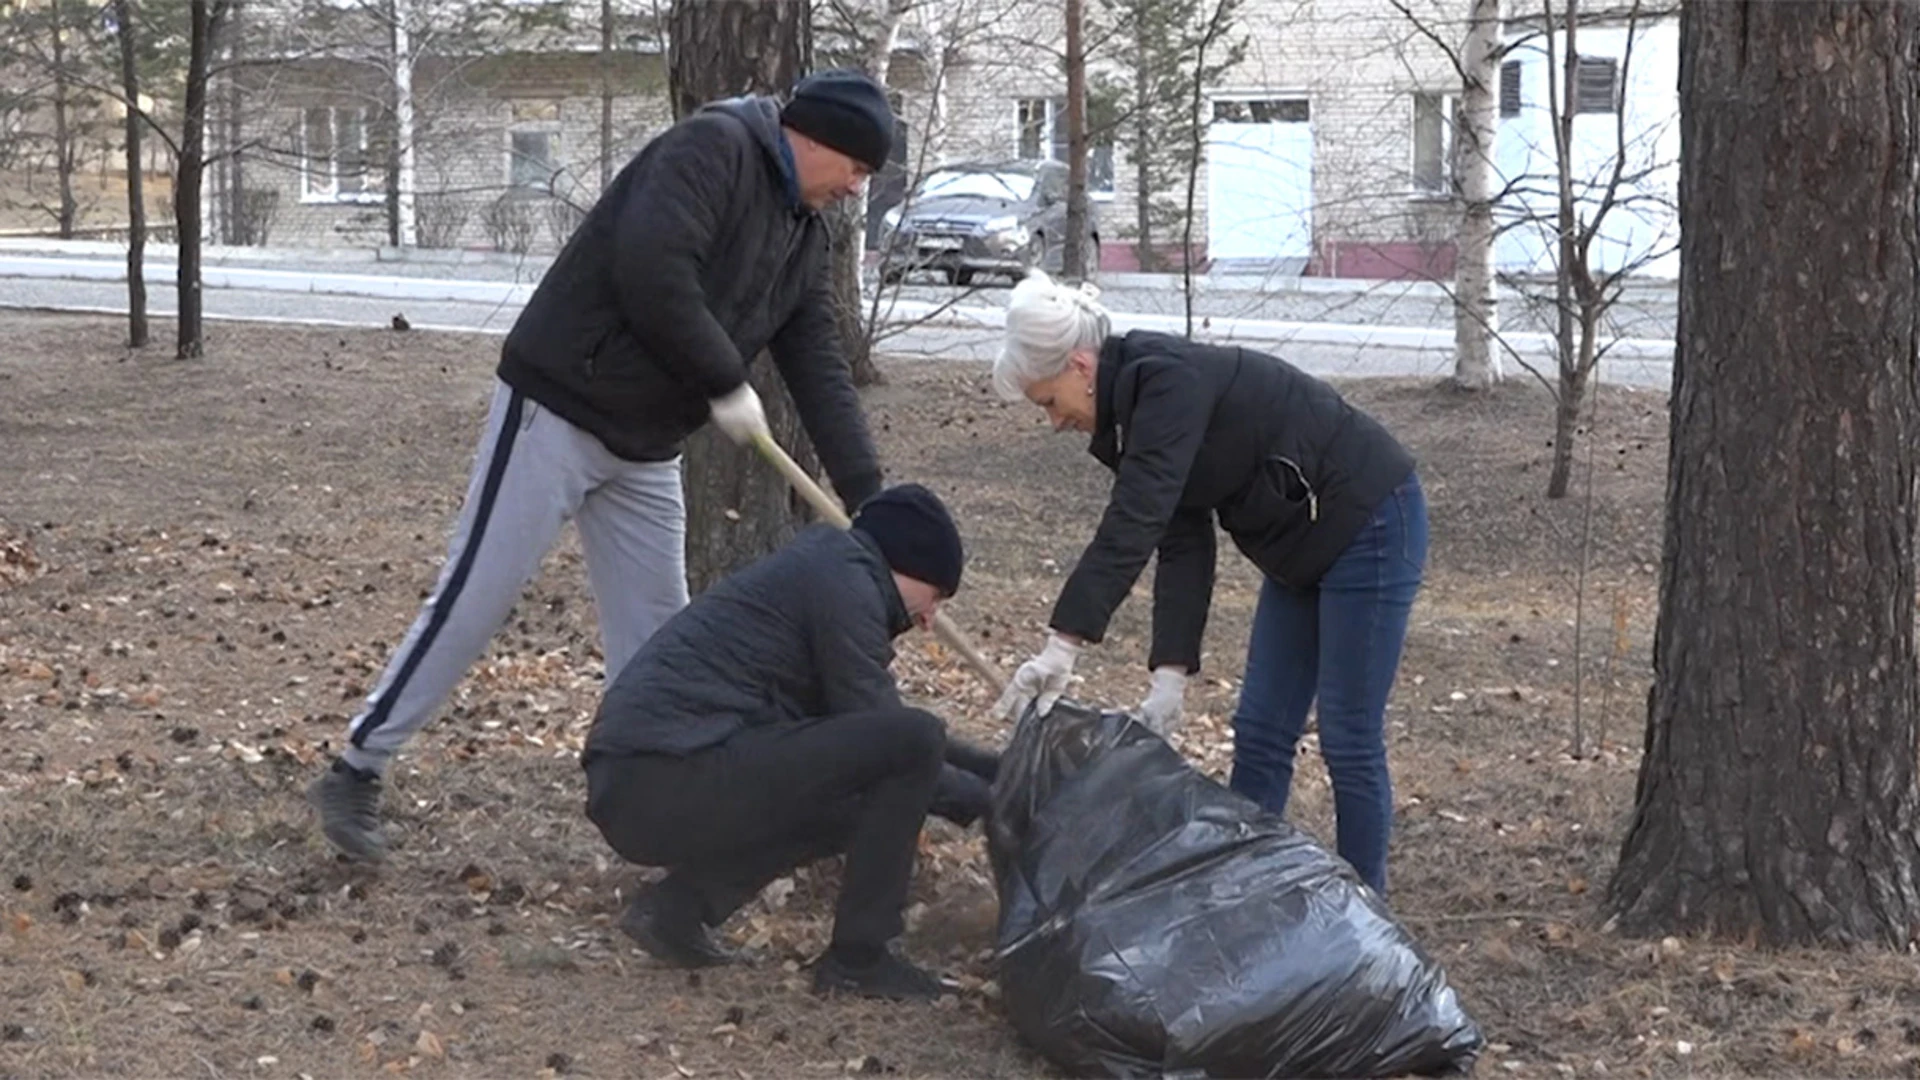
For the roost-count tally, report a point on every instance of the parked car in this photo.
(976, 218)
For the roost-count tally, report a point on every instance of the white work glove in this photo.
(1165, 693)
(1042, 679)
(740, 415)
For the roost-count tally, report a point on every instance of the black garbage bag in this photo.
(1153, 922)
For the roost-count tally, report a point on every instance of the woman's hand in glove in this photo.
(1166, 693)
(1042, 679)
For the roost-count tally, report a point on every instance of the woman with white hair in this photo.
(1315, 492)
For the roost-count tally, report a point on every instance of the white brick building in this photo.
(1329, 150)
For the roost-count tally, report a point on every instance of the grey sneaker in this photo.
(349, 803)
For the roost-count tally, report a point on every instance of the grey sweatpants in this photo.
(532, 474)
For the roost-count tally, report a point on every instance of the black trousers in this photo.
(727, 820)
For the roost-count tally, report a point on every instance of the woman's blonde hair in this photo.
(1047, 321)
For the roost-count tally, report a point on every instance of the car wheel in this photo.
(963, 277)
(1035, 256)
(893, 276)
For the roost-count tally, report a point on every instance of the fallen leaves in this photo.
(19, 563)
(477, 881)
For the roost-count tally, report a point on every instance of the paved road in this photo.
(1645, 310)
(1359, 345)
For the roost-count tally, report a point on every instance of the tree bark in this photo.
(847, 231)
(1571, 387)
(847, 223)
(406, 228)
(67, 215)
(239, 225)
(202, 22)
(1143, 87)
(1475, 365)
(1073, 247)
(1777, 798)
(136, 183)
(606, 94)
(738, 507)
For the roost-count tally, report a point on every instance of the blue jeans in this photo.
(1339, 642)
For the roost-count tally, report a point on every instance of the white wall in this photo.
(1644, 226)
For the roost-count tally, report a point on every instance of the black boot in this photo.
(874, 972)
(669, 927)
(960, 796)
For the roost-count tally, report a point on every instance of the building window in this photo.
(1041, 131)
(1597, 85)
(530, 160)
(1435, 120)
(1262, 111)
(1510, 88)
(336, 156)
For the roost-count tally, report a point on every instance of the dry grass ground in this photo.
(202, 566)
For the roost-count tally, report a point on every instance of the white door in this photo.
(1260, 181)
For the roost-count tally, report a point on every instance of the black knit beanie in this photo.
(915, 535)
(845, 110)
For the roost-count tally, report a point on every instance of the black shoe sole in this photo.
(836, 981)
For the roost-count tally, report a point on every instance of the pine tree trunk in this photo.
(1777, 798)
(738, 507)
(187, 176)
(1475, 365)
(136, 182)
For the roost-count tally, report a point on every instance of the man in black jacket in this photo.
(707, 248)
(760, 729)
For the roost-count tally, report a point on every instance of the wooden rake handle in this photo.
(825, 505)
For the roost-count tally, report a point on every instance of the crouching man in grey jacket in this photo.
(760, 729)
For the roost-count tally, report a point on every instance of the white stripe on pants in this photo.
(533, 473)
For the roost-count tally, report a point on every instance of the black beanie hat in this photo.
(915, 535)
(845, 110)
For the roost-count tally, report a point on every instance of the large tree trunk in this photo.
(202, 22)
(1073, 247)
(136, 186)
(1475, 365)
(1777, 797)
(738, 507)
